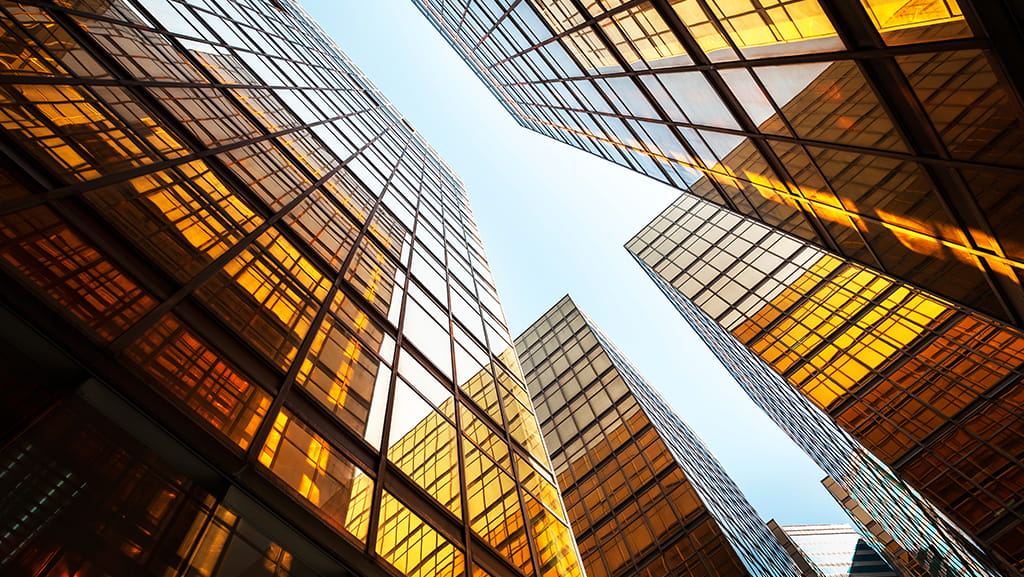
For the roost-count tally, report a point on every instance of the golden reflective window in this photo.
(265, 171)
(555, 544)
(831, 101)
(968, 105)
(561, 15)
(205, 384)
(412, 546)
(485, 437)
(703, 29)
(494, 511)
(590, 51)
(183, 218)
(643, 38)
(761, 28)
(912, 21)
(43, 250)
(338, 489)
(269, 293)
(423, 444)
(71, 130)
(338, 370)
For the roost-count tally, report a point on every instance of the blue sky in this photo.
(553, 220)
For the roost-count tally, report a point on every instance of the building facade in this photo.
(930, 389)
(832, 549)
(644, 496)
(885, 131)
(248, 326)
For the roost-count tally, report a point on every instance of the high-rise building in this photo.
(831, 550)
(247, 324)
(888, 132)
(644, 496)
(931, 390)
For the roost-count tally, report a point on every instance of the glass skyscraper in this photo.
(931, 389)
(831, 550)
(888, 132)
(644, 496)
(248, 326)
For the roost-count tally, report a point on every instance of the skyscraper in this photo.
(248, 326)
(831, 550)
(644, 496)
(885, 131)
(930, 389)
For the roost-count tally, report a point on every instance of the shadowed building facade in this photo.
(888, 132)
(931, 389)
(248, 326)
(644, 496)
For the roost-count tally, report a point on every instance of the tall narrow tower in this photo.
(644, 496)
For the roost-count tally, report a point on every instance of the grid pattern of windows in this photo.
(643, 494)
(915, 379)
(885, 131)
(214, 208)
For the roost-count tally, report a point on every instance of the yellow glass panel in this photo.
(641, 35)
(774, 27)
(561, 15)
(183, 218)
(338, 371)
(589, 50)
(555, 544)
(330, 482)
(412, 546)
(912, 21)
(427, 450)
(269, 293)
(490, 441)
(703, 29)
(539, 486)
(494, 511)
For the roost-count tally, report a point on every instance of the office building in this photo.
(831, 550)
(930, 389)
(643, 494)
(248, 327)
(886, 131)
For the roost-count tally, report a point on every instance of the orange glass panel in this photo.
(182, 218)
(200, 380)
(269, 294)
(44, 251)
(338, 489)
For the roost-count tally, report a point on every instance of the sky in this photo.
(554, 220)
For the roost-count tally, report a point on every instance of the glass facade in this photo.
(832, 550)
(929, 388)
(272, 344)
(885, 131)
(643, 494)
